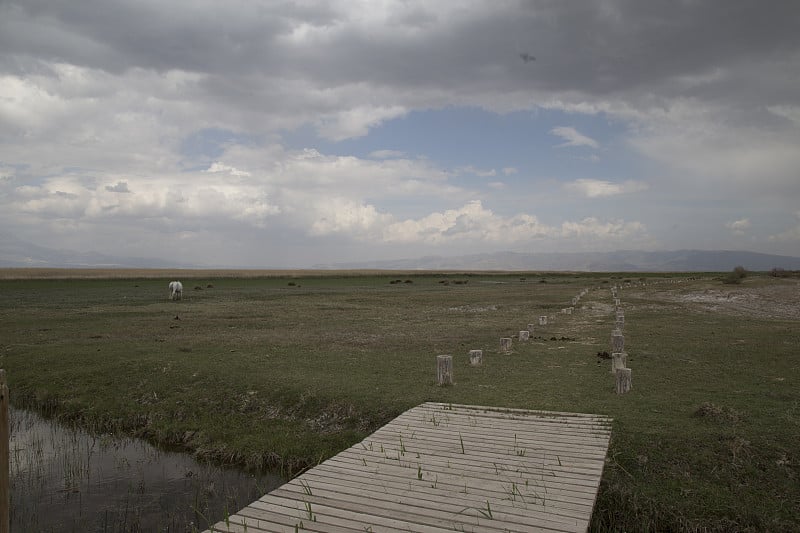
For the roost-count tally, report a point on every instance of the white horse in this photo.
(175, 290)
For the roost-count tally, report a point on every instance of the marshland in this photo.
(272, 372)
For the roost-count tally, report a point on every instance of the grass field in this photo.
(286, 369)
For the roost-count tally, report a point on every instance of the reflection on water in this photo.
(63, 479)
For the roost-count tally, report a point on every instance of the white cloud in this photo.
(120, 187)
(356, 121)
(592, 227)
(181, 200)
(472, 222)
(345, 216)
(707, 154)
(508, 171)
(218, 166)
(476, 224)
(573, 137)
(592, 188)
(790, 112)
(483, 173)
(386, 154)
(738, 226)
(791, 235)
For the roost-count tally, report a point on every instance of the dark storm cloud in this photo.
(590, 47)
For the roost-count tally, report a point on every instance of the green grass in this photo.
(262, 374)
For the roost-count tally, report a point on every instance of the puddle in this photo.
(64, 479)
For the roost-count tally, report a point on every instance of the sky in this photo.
(276, 134)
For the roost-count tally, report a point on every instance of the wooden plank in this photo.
(563, 425)
(499, 489)
(522, 431)
(457, 478)
(455, 486)
(500, 413)
(557, 427)
(510, 410)
(440, 467)
(534, 506)
(484, 442)
(553, 434)
(486, 472)
(497, 437)
(417, 512)
(527, 510)
(544, 458)
(466, 490)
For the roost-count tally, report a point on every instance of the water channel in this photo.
(64, 479)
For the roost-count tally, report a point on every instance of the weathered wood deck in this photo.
(440, 467)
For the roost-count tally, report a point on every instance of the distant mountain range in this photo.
(619, 261)
(15, 253)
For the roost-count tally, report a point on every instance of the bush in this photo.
(783, 273)
(736, 276)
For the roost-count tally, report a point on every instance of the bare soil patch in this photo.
(771, 302)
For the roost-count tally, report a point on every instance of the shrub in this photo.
(783, 273)
(736, 276)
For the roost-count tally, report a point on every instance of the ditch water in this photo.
(64, 479)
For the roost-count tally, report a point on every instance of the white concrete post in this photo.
(623, 380)
(444, 369)
(476, 357)
(617, 342)
(618, 361)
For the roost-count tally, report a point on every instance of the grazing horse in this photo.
(175, 290)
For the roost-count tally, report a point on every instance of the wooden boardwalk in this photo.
(441, 467)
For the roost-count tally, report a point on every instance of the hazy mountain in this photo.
(16, 253)
(619, 261)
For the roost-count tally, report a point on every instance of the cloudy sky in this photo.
(289, 134)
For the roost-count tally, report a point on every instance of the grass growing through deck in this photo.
(286, 371)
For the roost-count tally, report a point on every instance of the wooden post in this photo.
(618, 360)
(444, 369)
(624, 380)
(524, 335)
(617, 342)
(505, 344)
(5, 491)
(476, 357)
